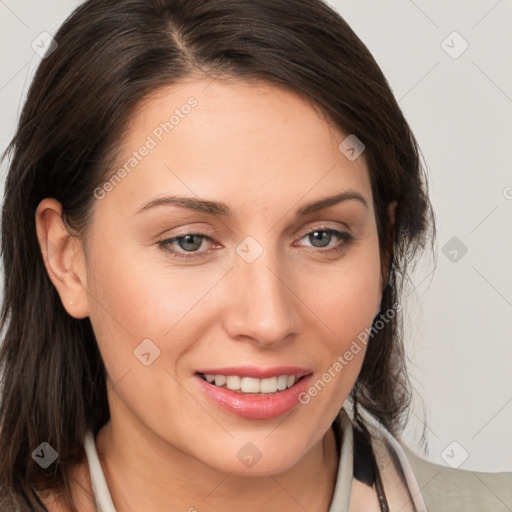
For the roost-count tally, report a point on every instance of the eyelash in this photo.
(345, 237)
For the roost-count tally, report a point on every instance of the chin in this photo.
(258, 457)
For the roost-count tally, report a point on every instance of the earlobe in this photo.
(63, 257)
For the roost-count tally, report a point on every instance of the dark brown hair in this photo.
(111, 54)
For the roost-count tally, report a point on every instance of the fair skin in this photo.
(264, 152)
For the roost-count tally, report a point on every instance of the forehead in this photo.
(240, 143)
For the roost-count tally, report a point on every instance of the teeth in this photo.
(251, 385)
(233, 382)
(268, 385)
(282, 382)
(220, 380)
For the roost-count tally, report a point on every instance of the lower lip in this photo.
(255, 406)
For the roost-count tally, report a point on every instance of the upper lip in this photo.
(257, 373)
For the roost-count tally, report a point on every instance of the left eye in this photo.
(191, 242)
(317, 235)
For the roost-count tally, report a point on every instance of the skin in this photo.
(265, 152)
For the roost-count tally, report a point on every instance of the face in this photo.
(255, 287)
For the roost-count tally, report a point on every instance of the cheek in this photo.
(138, 294)
(346, 297)
(345, 300)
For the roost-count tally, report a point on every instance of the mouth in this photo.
(253, 393)
(252, 385)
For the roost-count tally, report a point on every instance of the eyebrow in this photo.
(219, 209)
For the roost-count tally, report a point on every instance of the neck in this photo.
(149, 474)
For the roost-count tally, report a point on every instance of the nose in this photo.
(262, 305)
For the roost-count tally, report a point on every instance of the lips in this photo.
(254, 405)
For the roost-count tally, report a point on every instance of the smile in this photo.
(251, 397)
(250, 384)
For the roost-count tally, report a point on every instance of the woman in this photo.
(208, 217)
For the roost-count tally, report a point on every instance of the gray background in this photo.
(459, 105)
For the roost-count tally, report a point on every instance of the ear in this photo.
(389, 250)
(63, 258)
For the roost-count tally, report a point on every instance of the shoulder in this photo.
(404, 473)
(445, 488)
